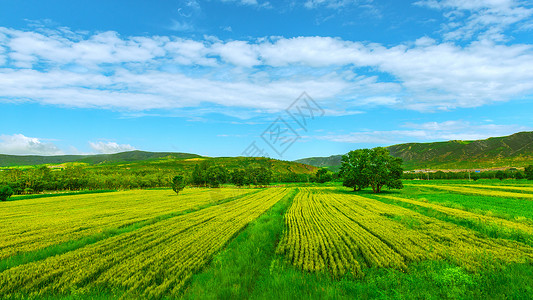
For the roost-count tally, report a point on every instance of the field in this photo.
(436, 239)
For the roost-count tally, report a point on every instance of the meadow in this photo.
(432, 239)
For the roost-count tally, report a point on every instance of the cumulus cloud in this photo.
(110, 147)
(108, 71)
(18, 144)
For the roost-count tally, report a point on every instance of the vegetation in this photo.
(5, 192)
(371, 167)
(529, 172)
(150, 262)
(355, 235)
(508, 151)
(310, 242)
(153, 173)
(178, 184)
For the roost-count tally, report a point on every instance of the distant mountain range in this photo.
(509, 151)
(142, 160)
(130, 156)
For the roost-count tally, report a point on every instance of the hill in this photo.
(509, 151)
(130, 156)
(153, 162)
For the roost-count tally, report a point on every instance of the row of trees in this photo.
(500, 174)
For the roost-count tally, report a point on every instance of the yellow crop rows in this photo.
(150, 262)
(478, 191)
(466, 214)
(33, 224)
(340, 233)
(502, 187)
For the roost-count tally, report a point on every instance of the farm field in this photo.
(425, 241)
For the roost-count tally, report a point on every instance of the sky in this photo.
(284, 79)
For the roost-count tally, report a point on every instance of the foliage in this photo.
(323, 175)
(5, 192)
(155, 173)
(354, 170)
(178, 183)
(528, 172)
(215, 176)
(371, 167)
(500, 175)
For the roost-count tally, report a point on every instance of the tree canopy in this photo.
(5, 192)
(178, 183)
(371, 167)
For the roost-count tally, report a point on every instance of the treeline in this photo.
(500, 174)
(76, 178)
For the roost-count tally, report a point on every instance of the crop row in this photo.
(478, 191)
(345, 232)
(321, 237)
(150, 262)
(467, 215)
(527, 189)
(33, 224)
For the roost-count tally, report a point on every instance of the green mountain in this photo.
(509, 151)
(146, 162)
(28, 160)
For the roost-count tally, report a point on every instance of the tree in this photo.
(518, 175)
(322, 175)
(500, 175)
(528, 172)
(354, 169)
(475, 176)
(238, 177)
(5, 192)
(178, 183)
(216, 175)
(372, 167)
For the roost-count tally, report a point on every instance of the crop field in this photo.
(347, 233)
(429, 240)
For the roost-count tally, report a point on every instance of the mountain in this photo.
(28, 160)
(142, 161)
(508, 151)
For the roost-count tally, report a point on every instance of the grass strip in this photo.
(34, 196)
(28, 257)
(491, 230)
(234, 272)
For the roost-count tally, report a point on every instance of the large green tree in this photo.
(371, 167)
(354, 169)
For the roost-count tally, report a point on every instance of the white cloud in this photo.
(427, 132)
(486, 19)
(105, 70)
(110, 147)
(18, 144)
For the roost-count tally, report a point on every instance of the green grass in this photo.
(484, 229)
(234, 272)
(425, 280)
(507, 208)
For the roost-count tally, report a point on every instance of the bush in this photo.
(5, 192)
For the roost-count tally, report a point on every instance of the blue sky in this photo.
(213, 77)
